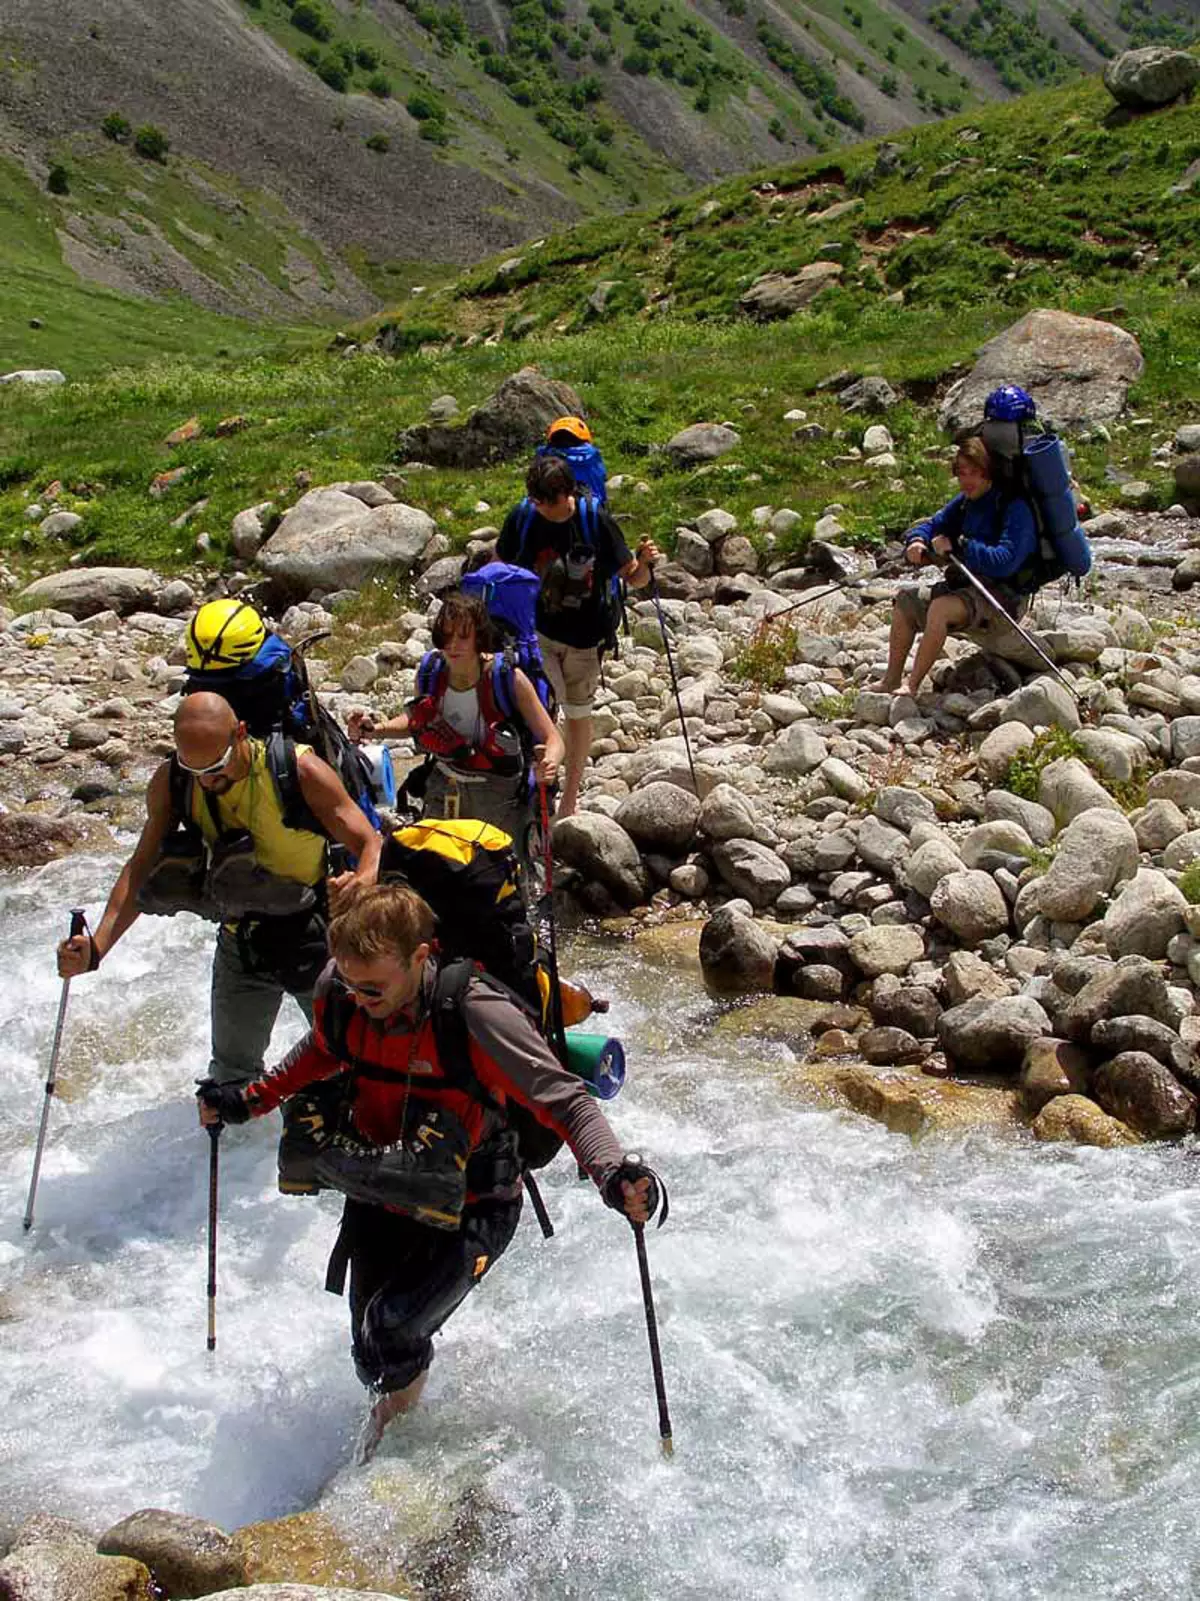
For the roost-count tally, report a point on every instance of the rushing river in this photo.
(966, 1368)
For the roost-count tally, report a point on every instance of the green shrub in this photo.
(378, 141)
(56, 180)
(1024, 772)
(332, 71)
(151, 142)
(116, 127)
(367, 57)
(425, 107)
(764, 661)
(435, 132)
(380, 86)
(1189, 884)
(310, 19)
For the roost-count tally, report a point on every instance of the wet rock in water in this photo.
(820, 983)
(602, 850)
(67, 1572)
(1134, 987)
(971, 905)
(737, 955)
(1052, 1067)
(991, 1036)
(1096, 852)
(752, 870)
(885, 1047)
(660, 816)
(1145, 1095)
(910, 1103)
(187, 1556)
(896, 1004)
(1077, 1120)
(1145, 917)
(1116, 1035)
(31, 839)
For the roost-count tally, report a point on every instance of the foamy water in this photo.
(962, 1369)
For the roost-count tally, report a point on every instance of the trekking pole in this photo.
(78, 926)
(662, 624)
(660, 1387)
(986, 594)
(214, 1134)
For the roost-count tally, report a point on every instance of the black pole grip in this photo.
(78, 921)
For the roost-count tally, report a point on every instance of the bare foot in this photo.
(885, 686)
(389, 1406)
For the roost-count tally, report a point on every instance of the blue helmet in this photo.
(1009, 403)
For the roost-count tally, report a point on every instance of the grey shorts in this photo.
(913, 603)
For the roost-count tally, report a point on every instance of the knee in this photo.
(943, 613)
(386, 1355)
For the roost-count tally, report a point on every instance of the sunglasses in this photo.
(369, 992)
(213, 767)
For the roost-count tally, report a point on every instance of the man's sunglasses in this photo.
(369, 992)
(213, 767)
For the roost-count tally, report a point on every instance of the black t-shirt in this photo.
(573, 603)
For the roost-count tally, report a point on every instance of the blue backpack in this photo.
(1038, 468)
(586, 462)
(510, 595)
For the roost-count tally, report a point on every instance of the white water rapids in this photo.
(967, 1368)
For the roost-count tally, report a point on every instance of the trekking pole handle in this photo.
(78, 922)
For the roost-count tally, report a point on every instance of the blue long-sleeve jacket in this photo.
(995, 537)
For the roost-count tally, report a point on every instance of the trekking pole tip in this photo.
(668, 1446)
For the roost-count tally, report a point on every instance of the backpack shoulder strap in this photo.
(525, 518)
(450, 1034)
(431, 674)
(585, 505)
(503, 686)
(179, 793)
(284, 768)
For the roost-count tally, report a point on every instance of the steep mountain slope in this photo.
(326, 155)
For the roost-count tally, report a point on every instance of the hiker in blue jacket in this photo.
(994, 535)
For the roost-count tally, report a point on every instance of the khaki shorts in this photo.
(914, 601)
(575, 674)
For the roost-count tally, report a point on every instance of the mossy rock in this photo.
(911, 1103)
(787, 1018)
(306, 1548)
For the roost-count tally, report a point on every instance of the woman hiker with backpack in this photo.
(478, 720)
(993, 533)
(424, 1149)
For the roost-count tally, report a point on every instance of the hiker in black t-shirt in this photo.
(579, 553)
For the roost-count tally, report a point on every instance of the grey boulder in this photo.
(737, 955)
(971, 905)
(1153, 76)
(991, 1036)
(84, 591)
(601, 850)
(660, 816)
(751, 870)
(1095, 853)
(1145, 917)
(335, 542)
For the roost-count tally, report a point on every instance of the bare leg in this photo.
(389, 1406)
(945, 613)
(578, 740)
(904, 631)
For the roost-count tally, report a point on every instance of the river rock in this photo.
(660, 816)
(1116, 1035)
(1134, 987)
(1079, 1121)
(967, 976)
(929, 864)
(903, 808)
(359, 673)
(886, 949)
(83, 591)
(884, 1047)
(1000, 747)
(1052, 1067)
(1096, 852)
(797, 750)
(1078, 370)
(909, 1103)
(1183, 850)
(301, 1592)
(1157, 823)
(601, 849)
(727, 814)
(1150, 77)
(992, 844)
(1043, 703)
(881, 846)
(1145, 917)
(31, 839)
(330, 541)
(187, 1556)
(249, 528)
(67, 1572)
(752, 870)
(1175, 785)
(991, 1036)
(703, 441)
(1067, 788)
(897, 1004)
(1144, 1095)
(737, 955)
(971, 905)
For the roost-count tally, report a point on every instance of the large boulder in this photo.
(971, 905)
(737, 955)
(31, 839)
(752, 870)
(703, 441)
(1066, 788)
(991, 1036)
(1145, 1095)
(1079, 1121)
(187, 1556)
(779, 294)
(84, 591)
(510, 423)
(660, 816)
(1134, 987)
(890, 948)
(1154, 76)
(1145, 917)
(1043, 703)
(602, 851)
(1077, 369)
(1096, 852)
(67, 1571)
(330, 540)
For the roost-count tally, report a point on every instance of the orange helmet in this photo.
(575, 426)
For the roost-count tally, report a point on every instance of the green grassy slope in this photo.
(1047, 202)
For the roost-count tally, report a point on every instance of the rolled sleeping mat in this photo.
(1049, 470)
(383, 774)
(598, 1060)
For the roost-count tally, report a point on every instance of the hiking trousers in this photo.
(407, 1278)
(256, 963)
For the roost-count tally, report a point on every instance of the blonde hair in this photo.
(380, 920)
(974, 450)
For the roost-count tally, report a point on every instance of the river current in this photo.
(964, 1368)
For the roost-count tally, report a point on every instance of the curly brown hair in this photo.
(463, 614)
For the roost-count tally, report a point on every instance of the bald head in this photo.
(207, 735)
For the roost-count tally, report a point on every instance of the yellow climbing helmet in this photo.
(222, 634)
(575, 426)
